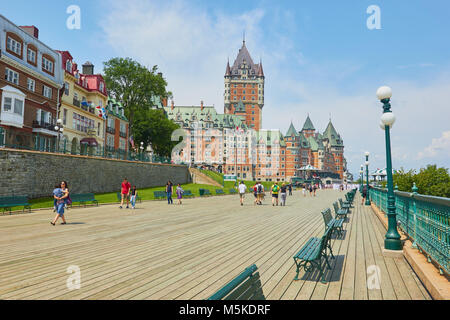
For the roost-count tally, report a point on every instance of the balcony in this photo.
(111, 130)
(44, 127)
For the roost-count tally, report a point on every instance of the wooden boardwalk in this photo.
(190, 251)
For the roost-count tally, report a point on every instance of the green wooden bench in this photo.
(14, 201)
(119, 197)
(159, 194)
(344, 205)
(348, 199)
(233, 191)
(330, 222)
(340, 213)
(83, 198)
(204, 192)
(219, 192)
(310, 255)
(187, 193)
(246, 286)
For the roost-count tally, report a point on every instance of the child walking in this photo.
(179, 192)
(133, 197)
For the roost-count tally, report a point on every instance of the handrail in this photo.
(426, 221)
(225, 290)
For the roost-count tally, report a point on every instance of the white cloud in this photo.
(191, 45)
(438, 146)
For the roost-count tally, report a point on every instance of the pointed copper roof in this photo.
(291, 131)
(228, 70)
(308, 124)
(260, 71)
(242, 56)
(332, 135)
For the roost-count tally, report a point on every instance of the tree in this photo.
(152, 126)
(133, 85)
(433, 181)
(404, 179)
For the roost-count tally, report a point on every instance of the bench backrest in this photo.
(233, 191)
(187, 193)
(246, 286)
(82, 197)
(340, 202)
(336, 206)
(14, 200)
(158, 194)
(219, 191)
(326, 214)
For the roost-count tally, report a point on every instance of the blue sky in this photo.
(319, 58)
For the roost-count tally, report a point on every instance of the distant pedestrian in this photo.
(60, 194)
(179, 192)
(242, 190)
(169, 191)
(125, 192)
(290, 189)
(133, 197)
(315, 189)
(274, 190)
(260, 193)
(364, 194)
(310, 190)
(255, 193)
(283, 194)
(304, 190)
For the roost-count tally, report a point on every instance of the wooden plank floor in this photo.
(188, 252)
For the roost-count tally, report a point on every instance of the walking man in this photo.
(126, 186)
(169, 191)
(290, 189)
(242, 191)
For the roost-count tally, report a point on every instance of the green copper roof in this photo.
(332, 135)
(112, 106)
(304, 143)
(291, 131)
(240, 107)
(308, 124)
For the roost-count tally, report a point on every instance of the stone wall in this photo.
(34, 173)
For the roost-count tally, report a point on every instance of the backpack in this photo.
(275, 188)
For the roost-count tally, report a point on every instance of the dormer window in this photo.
(69, 66)
(14, 46)
(31, 56)
(47, 65)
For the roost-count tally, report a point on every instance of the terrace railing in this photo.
(425, 220)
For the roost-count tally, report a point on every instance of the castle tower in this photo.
(244, 81)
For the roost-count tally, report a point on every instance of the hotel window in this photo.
(31, 84)
(31, 55)
(65, 117)
(18, 106)
(102, 87)
(11, 76)
(14, 46)
(47, 65)
(47, 92)
(7, 104)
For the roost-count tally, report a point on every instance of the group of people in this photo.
(169, 191)
(129, 194)
(259, 193)
(311, 188)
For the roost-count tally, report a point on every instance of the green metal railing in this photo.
(426, 221)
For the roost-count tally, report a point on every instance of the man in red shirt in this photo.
(126, 186)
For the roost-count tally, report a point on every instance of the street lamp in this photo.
(367, 176)
(60, 129)
(361, 177)
(392, 238)
(142, 150)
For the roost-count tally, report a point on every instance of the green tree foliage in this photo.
(431, 181)
(135, 86)
(152, 126)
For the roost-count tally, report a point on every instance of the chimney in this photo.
(201, 105)
(88, 68)
(173, 106)
(31, 30)
(164, 102)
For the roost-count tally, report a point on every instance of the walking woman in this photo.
(283, 194)
(60, 195)
(169, 191)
